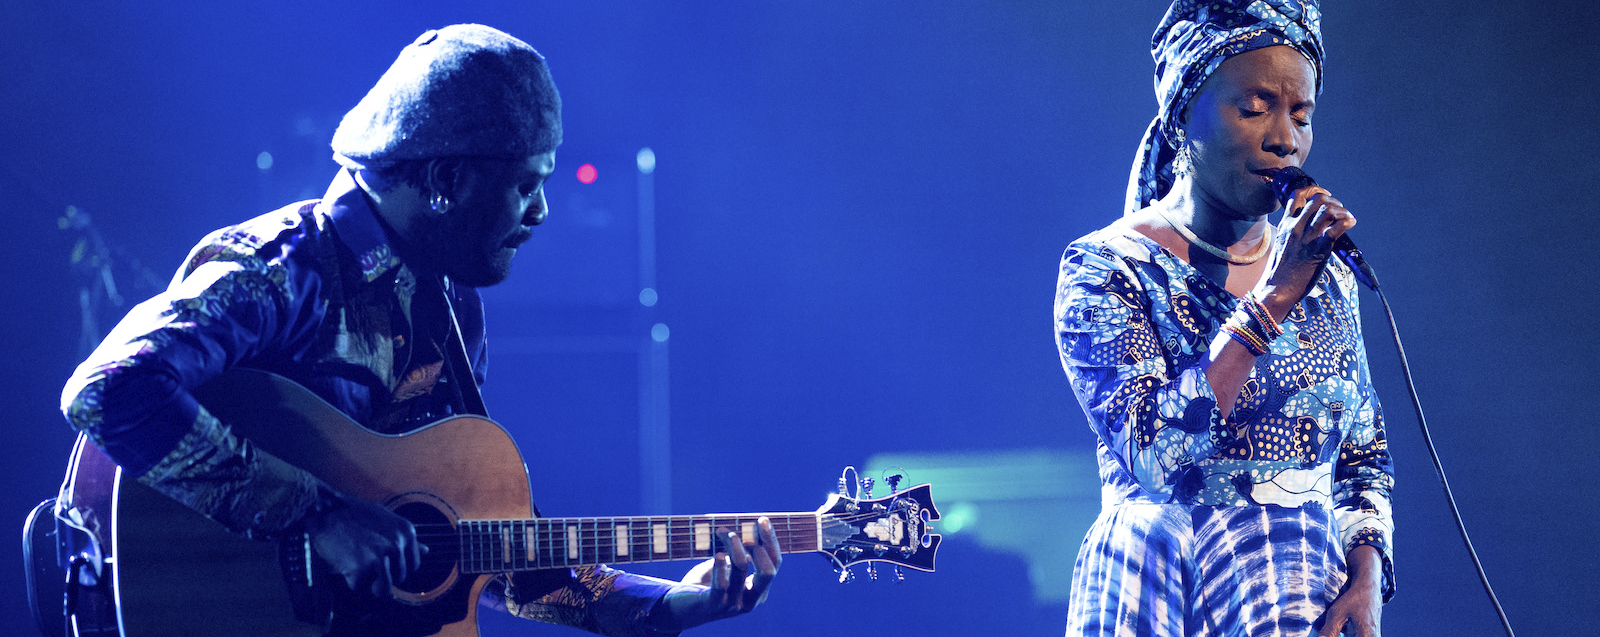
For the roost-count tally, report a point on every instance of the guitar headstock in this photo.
(890, 529)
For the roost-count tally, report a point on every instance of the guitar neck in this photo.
(498, 546)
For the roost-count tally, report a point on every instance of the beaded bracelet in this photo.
(1258, 310)
(1246, 337)
(1252, 326)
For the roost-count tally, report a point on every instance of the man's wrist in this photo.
(1278, 304)
(661, 619)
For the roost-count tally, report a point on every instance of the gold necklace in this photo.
(1262, 247)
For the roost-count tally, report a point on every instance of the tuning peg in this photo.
(866, 488)
(872, 571)
(899, 575)
(845, 576)
(846, 477)
(894, 482)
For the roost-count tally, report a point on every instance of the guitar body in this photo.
(460, 481)
(179, 573)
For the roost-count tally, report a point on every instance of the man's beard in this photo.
(453, 253)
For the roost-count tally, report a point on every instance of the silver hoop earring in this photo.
(439, 203)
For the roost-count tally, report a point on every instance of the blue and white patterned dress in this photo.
(1212, 525)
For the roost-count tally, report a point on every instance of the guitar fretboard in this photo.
(496, 546)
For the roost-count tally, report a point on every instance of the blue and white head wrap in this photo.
(1194, 38)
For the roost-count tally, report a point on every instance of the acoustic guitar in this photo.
(461, 481)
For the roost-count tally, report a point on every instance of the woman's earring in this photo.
(1183, 156)
(439, 203)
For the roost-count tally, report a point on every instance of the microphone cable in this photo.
(1285, 181)
(1427, 440)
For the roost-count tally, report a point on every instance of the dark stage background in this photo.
(859, 211)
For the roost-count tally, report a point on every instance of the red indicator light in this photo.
(587, 174)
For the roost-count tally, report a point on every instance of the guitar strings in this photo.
(597, 534)
(672, 522)
(559, 528)
(558, 560)
(446, 540)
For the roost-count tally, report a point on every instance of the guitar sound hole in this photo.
(436, 532)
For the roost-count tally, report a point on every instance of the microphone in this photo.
(1289, 179)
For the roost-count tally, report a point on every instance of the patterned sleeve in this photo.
(1363, 474)
(132, 395)
(601, 600)
(1155, 420)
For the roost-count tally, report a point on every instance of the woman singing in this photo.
(1219, 359)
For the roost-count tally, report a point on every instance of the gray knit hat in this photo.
(464, 90)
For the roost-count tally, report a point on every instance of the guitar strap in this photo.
(457, 367)
(463, 386)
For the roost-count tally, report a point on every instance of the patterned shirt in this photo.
(313, 292)
(1134, 323)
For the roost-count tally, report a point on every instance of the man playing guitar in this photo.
(367, 298)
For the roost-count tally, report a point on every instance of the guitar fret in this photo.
(605, 540)
(588, 552)
(642, 536)
(487, 544)
(463, 540)
(555, 549)
(492, 538)
(486, 538)
(521, 534)
(470, 556)
(549, 545)
(480, 549)
(575, 537)
(675, 533)
(525, 559)
(606, 530)
(685, 529)
(536, 543)
(638, 533)
(691, 540)
(541, 532)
